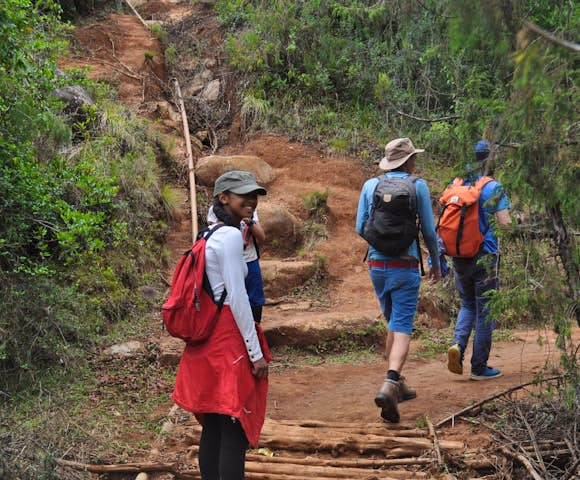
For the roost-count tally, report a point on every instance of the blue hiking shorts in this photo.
(398, 292)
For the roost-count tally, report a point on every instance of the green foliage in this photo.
(316, 204)
(253, 113)
(158, 32)
(80, 213)
(172, 200)
(341, 72)
(79, 235)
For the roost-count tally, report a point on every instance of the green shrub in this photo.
(80, 232)
(316, 204)
(158, 32)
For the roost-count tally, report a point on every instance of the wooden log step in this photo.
(374, 429)
(337, 425)
(296, 476)
(329, 472)
(308, 440)
(333, 462)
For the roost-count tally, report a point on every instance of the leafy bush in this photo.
(83, 215)
(355, 74)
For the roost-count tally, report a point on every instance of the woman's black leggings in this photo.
(222, 448)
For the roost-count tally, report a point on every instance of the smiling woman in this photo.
(224, 381)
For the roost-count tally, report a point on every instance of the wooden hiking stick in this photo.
(192, 192)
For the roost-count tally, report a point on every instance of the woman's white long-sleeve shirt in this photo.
(226, 268)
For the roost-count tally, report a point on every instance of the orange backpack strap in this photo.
(482, 182)
(458, 181)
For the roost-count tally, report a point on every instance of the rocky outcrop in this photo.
(207, 169)
(283, 230)
(78, 105)
(281, 277)
(309, 328)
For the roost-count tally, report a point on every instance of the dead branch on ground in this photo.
(491, 398)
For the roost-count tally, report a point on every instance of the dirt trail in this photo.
(345, 392)
(116, 49)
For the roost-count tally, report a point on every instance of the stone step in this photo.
(283, 276)
(295, 329)
(292, 328)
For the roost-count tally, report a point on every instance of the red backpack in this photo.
(190, 312)
(458, 225)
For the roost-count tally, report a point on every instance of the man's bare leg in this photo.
(399, 348)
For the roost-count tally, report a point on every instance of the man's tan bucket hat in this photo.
(397, 152)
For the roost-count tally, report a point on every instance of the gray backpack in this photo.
(392, 225)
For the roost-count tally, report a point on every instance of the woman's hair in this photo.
(221, 214)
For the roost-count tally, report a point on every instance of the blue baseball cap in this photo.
(482, 146)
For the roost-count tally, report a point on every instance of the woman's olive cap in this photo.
(238, 182)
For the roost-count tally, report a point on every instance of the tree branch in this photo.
(575, 47)
(493, 397)
(430, 120)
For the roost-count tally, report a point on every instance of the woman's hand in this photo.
(260, 368)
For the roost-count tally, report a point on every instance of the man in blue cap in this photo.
(477, 275)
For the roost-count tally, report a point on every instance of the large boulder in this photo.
(78, 104)
(207, 169)
(283, 230)
(281, 277)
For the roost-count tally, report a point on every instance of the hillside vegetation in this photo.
(358, 73)
(85, 208)
(82, 203)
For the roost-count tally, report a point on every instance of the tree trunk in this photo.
(565, 244)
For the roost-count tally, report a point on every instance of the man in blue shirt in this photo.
(478, 275)
(396, 279)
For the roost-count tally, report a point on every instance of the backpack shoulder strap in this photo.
(208, 232)
(482, 182)
(458, 181)
(205, 234)
(413, 179)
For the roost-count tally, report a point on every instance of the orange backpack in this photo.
(458, 225)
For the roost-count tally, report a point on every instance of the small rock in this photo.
(193, 89)
(170, 350)
(127, 349)
(295, 306)
(211, 92)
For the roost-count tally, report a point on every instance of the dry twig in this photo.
(523, 460)
(490, 398)
(435, 441)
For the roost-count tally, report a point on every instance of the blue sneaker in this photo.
(455, 359)
(488, 374)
